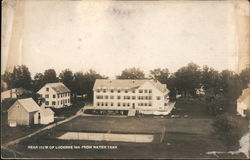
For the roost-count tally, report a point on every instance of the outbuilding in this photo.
(44, 116)
(22, 112)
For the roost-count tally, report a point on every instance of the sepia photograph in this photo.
(125, 79)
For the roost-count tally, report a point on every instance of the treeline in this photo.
(185, 81)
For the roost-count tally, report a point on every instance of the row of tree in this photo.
(185, 81)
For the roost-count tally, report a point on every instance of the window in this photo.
(102, 104)
(58, 102)
(158, 98)
(58, 95)
(146, 97)
(149, 104)
(124, 104)
(106, 104)
(118, 97)
(68, 100)
(98, 104)
(104, 91)
(128, 104)
(47, 102)
(111, 104)
(150, 91)
(54, 96)
(99, 97)
(140, 91)
(112, 91)
(98, 91)
(69, 94)
(145, 91)
(46, 96)
(165, 104)
(106, 97)
(47, 89)
(61, 102)
(118, 104)
(53, 103)
(133, 97)
(133, 91)
(126, 91)
(118, 91)
(149, 97)
(145, 104)
(111, 97)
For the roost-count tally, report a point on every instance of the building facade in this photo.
(44, 116)
(56, 95)
(140, 95)
(22, 112)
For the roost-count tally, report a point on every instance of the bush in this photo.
(229, 129)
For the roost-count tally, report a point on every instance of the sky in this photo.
(110, 36)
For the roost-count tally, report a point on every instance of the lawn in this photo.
(189, 137)
(184, 138)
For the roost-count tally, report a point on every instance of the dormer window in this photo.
(47, 89)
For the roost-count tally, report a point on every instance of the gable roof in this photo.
(46, 112)
(16, 91)
(58, 87)
(29, 104)
(126, 84)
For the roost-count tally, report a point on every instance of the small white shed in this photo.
(44, 116)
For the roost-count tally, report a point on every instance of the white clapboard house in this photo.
(27, 112)
(56, 95)
(145, 96)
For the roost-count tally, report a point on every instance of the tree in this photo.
(132, 73)
(188, 79)
(171, 85)
(245, 77)
(19, 78)
(89, 81)
(228, 129)
(160, 74)
(38, 81)
(78, 86)
(210, 80)
(67, 77)
(50, 76)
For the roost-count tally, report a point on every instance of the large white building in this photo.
(140, 95)
(56, 95)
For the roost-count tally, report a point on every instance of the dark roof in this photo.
(58, 87)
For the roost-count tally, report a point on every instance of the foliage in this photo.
(19, 78)
(50, 76)
(132, 73)
(188, 79)
(216, 105)
(38, 81)
(160, 74)
(67, 77)
(210, 80)
(229, 129)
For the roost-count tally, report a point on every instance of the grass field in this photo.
(189, 137)
(184, 138)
